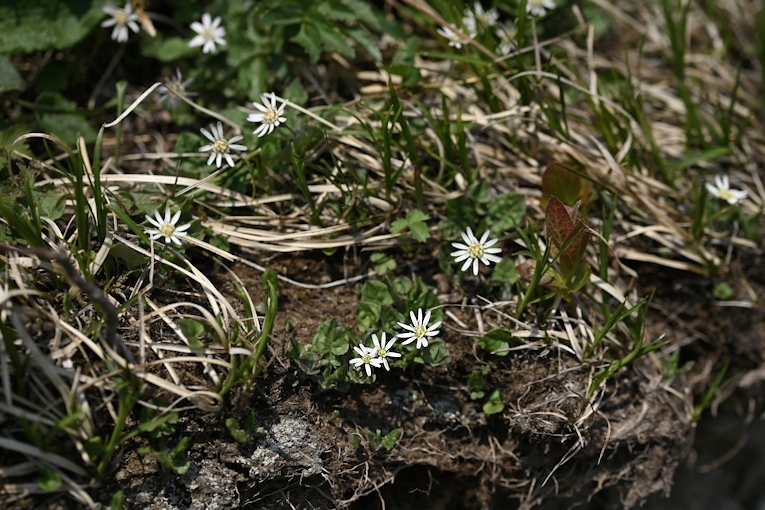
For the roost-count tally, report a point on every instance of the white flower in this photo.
(166, 227)
(382, 350)
(209, 33)
(507, 34)
(538, 8)
(419, 330)
(478, 19)
(121, 20)
(174, 89)
(474, 250)
(721, 189)
(270, 116)
(367, 358)
(455, 37)
(220, 147)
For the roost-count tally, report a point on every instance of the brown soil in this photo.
(538, 452)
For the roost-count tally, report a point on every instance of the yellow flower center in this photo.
(725, 194)
(175, 88)
(220, 146)
(208, 34)
(367, 359)
(121, 18)
(475, 250)
(381, 353)
(167, 229)
(420, 331)
(271, 116)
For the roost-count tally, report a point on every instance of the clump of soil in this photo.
(549, 445)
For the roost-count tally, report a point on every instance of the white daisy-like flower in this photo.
(539, 8)
(220, 147)
(367, 358)
(209, 33)
(173, 90)
(382, 350)
(419, 329)
(270, 116)
(476, 20)
(721, 189)
(121, 20)
(507, 35)
(166, 227)
(474, 250)
(455, 37)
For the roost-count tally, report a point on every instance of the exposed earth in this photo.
(544, 448)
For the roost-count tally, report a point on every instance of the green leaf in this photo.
(180, 460)
(157, 423)
(497, 341)
(243, 434)
(174, 48)
(47, 24)
(52, 206)
(365, 41)
(390, 439)
(333, 337)
(403, 63)
(415, 222)
(50, 479)
(296, 92)
(476, 381)
(383, 263)
(435, 354)
(9, 133)
(462, 212)
(308, 37)
(118, 501)
(494, 405)
(506, 212)
(9, 77)
(94, 447)
(333, 39)
(722, 291)
(64, 126)
(504, 272)
(374, 295)
(192, 329)
(374, 18)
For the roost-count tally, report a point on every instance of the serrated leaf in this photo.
(506, 212)
(333, 39)
(308, 37)
(363, 39)
(390, 439)
(415, 221)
